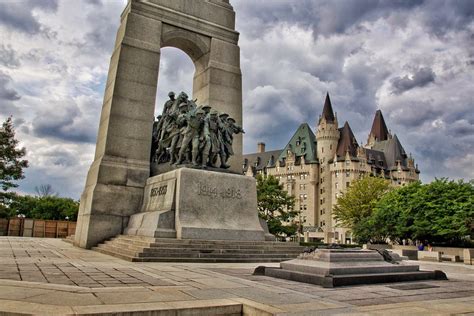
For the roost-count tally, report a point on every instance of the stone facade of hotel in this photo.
(317, 168)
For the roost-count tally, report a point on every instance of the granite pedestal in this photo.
(339, 267)
(201, 205)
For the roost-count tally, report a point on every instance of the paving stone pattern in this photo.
(31, 261)
(35, 271)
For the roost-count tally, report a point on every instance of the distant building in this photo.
(316, 169)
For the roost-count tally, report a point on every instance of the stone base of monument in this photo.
(199, 204)
(199, 215)
(340, 267)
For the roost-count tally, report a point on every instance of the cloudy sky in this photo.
(412, 59)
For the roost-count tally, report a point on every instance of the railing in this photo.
(26, 227)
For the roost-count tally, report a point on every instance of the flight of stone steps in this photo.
(147, 249)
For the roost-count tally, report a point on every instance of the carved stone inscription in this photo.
(216, 192)
(158, 191)
(159, 196)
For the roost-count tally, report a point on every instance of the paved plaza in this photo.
(51, 277)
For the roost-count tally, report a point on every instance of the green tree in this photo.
(355, 207)
(276, 207)
(394, 212)
(439, 212)
(11, 165)
(45, 207)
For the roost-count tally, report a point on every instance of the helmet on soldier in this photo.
(200, 111)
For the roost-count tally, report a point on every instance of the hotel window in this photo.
(337, 185)
(321, 202)
(330, 147)
(347, 184)
(348, 173)
(305, 196)
(337, 174)
(348, 162)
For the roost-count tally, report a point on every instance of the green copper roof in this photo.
(302, 144)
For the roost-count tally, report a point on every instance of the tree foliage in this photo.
(355, 207)
(276, 207)
(44, 207)
(439, 212)
(11, 162)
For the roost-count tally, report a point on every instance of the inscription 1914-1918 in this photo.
(225, 193)
(158, 191)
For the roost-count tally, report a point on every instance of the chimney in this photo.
(260, 147)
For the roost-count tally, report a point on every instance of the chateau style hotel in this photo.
(316, 169)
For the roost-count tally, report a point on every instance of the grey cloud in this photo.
(6, 93)
(324, 17)
(420, 78)
(18, 15)
(8, 57)
(461, 128)
(414, 113)
(102, 36)
(443, 16)
(94, 2)
(65, 123)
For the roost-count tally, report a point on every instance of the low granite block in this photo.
(430, 256)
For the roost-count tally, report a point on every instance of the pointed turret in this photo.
(394, 153)
(347, 142)
(379, 129)
(328, 113)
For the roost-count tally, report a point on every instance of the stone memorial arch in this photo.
(205, 31)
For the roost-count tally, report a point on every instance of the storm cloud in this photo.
(18, 15)
(414, 60)
(420, 78)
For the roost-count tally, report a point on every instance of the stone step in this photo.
(216, 255)
(151, 240)
(113, 253)
(118, 250)
(353, 279)
(367, 267)
(371, 278)
(191, 257)
(233, 245)
(178, 252)
(218, 251)
(208, 260)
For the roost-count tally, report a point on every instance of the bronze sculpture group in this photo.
(187, 133)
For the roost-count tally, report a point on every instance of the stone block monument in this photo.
(177, 176)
